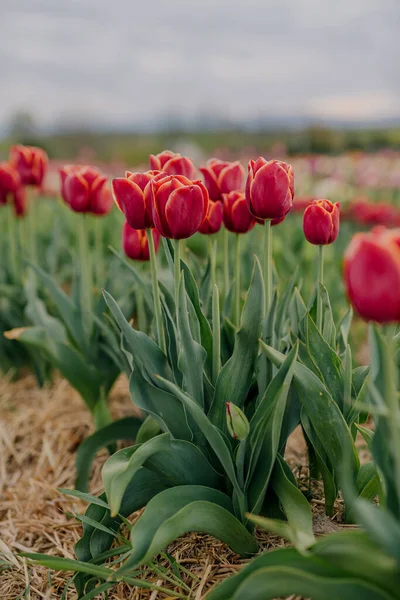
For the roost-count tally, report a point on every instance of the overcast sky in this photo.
(116, 61)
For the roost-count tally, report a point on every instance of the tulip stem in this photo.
(216, 328)
(32, 226)
(86, 280)
(177, 273)
(237, 279)
(98, 250)
(267, 265)
(12, 237)
(320, 279)
(212, 252)
(156, 292)
(226, 262)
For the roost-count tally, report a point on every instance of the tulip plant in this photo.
(222, 379)
(356, 563)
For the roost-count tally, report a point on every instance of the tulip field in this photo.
(199, 386)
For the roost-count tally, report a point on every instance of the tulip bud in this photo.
(321, 222)
(172, 164)
(372, 274)
(30, 162)
(237, 423)
(129, 196)
(213, 221)
(11, 188)
(222, 177)
(84, 189)
(236, 214)
(135, 243)
(269, 188)
(179, 205)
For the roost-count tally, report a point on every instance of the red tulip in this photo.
(236, 214)
(269, 188)
(179, 205)
(372, 274)
(129, 196)
(213, 221)
(321, 222)
(172, 164)
(135, 243)
(85, 190)
(11, 188)
(364, 212)
(30, 162)
(222, 177)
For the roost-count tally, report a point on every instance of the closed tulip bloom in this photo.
(179, 205)
(213, 221)
(172, 164)
(237, 217)
(129, 196)
(135, 243)
(85, 190)
(11, 189)
(372, 274)
(269, 188)
(30, 162)
(321, 222)
(222, 177)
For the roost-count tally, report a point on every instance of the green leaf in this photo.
(83, 377)
(193, 293)
(68, 312)
(344, 330)
(211, 433)
(367, 483)
(324, 465)
(327, 361)
(191, 353)
(84, 496)
(179, 461)
(147, 355)
(141, 283)
(326, 568)
(265, 433)
(164, 407)
(294, 504)
(329, 329)
(267, 584)
(148, 429)
(324, 414)
(181, 510)
(235, 377)
(367, 434)
(144, 486)
(123, 429)
(283, 306)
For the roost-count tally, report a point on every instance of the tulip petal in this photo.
(130, 200)
(270, 194)
(76, 191)
(211, 183)
(317, 225)
(231, 178)
(184, 211)
(180, 165)
(372, 277)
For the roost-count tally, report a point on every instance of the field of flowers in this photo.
(199, 390)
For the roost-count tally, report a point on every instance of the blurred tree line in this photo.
(133, 148)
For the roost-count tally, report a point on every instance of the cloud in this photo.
(113, 62)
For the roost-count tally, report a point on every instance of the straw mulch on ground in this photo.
(40, 431)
